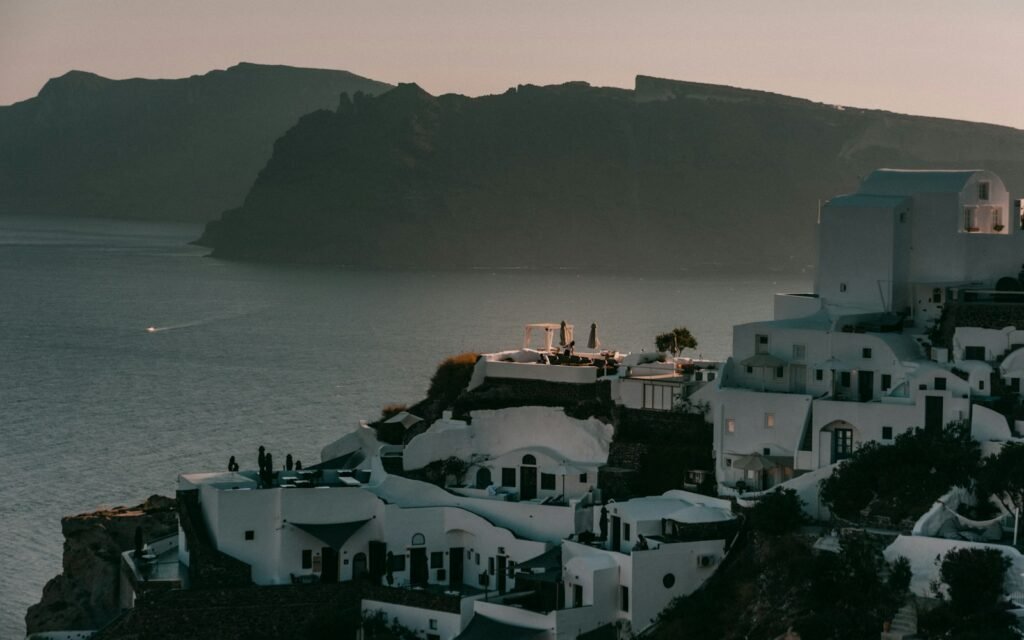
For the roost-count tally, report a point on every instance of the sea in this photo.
(127, 356)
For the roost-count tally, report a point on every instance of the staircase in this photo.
(904, 623)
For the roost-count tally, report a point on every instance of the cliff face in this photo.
(180, 149)
(670, 175)
(85, 595)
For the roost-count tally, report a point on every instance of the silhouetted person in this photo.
(262, 459)
(288, 464)
(641, 543)
(268, 470)
(232, 465)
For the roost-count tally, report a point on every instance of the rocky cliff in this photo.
(669, 175)
(181, 149)
(85, 595)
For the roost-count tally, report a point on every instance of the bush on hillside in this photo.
(778, 512)
(451, 378)
(902, 480)
(975, 608)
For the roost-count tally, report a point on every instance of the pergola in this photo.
(550, 329)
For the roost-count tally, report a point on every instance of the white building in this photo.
(851, 362)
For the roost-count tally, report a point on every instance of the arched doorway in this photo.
(528, 478)
(359, 569)
(836, 442)
(483, 478)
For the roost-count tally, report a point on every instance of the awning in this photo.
(404, 418)
(765, 360)
(563, 469)
(835, 364)
(347, 461)
(482, 628)
(333, 535)
(753, 462)
(546, 567)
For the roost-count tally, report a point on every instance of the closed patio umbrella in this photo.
(562, 339)
(753, 462)
(592, 341)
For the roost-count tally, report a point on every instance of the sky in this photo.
(962, 59)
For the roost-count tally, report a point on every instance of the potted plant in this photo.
(997, 227)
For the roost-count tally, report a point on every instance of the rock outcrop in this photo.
(182, 149)
(85, 595)
(670, 175)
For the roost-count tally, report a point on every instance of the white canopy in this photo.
(550, 330)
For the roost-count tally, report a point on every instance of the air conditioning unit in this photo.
(705, 561)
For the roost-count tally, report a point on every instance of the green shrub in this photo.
(975, 608)
(778, 512)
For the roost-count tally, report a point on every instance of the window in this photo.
(625, 531)
(842, 444)
(508, 477)
(766, 451)
(886, 381)
(477, 558)
(660, 397)
(1015, 384)
(437, 560)
(730, 425)
(307, 558)
(398, 562)
(728, 462)
(865, 352)
(886, 433)
(769, 421)
(669, 580)
(969, 223)
(433, 624)
(780, 371)
(799, 351)
(844, 378)
(418, 540)
(750, 369)
(711, 376)
(547, 481)
(761, 343)
(624, 597)
(583, 478)
(842, 287)
(819, 375)
(981, 385)
(250, 535)
(983, 188)
(936, 295)
(974, 353)
(940, 384)
(490, 566)
(529, 459)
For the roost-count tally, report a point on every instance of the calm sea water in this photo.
(96, 411)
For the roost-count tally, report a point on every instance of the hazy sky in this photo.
(959, 59)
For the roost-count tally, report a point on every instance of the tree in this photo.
(675, 341)
(975, 609)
